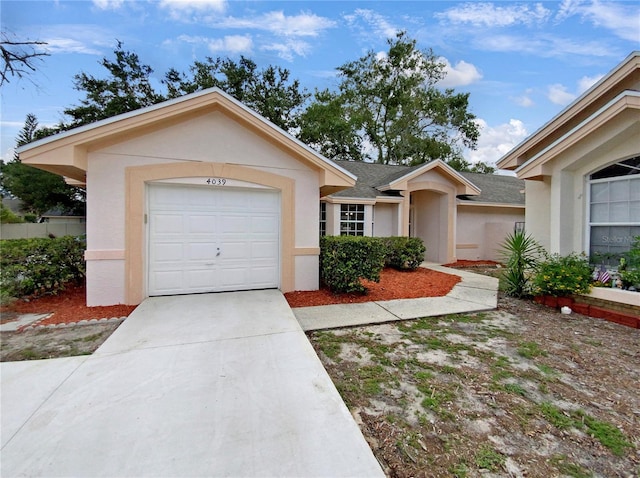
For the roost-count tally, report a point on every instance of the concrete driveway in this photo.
(203, 385)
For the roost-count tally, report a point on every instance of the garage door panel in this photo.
(201, 280)
(201, 223)
(264, 224)
(167, 281)
(235, 224)
(264, 249)
(261, 276)
(202, 251)
(167, 252)
(189, 224)
(168, 224)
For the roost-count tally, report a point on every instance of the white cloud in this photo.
(374, 21)
(186, 10)
(524, 100)
(287, 50)
(490, 15)
(234, 44)
(544, 46)
(621, 19)
(496, 141)
(461, 74)
(89, 39)
(108, 4)
(69, 45)
(587, 82)
(276, 22)
(559, 95)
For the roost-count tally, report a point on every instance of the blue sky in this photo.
(522, 62)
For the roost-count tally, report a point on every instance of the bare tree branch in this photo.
(18, 57)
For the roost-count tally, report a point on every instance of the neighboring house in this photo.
(59, 216)
(582, 169)
(457, 215)
(201, 194)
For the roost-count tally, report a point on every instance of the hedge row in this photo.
(40, 265)
(345, 260)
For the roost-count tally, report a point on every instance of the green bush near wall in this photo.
(40, 265)
(403, 253)
(344, 260)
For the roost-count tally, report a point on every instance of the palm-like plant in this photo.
(521, 254)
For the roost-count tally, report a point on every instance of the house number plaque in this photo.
(216, 181)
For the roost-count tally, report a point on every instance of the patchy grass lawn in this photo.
(522, 391)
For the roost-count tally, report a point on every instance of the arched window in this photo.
(614, 210)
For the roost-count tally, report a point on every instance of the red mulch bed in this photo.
(393, 285)
(67, 306)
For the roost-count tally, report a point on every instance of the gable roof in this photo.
(620, 83)
(495, 189)
(374, 180)
(66, 153)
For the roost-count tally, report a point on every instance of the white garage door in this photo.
(208, 239)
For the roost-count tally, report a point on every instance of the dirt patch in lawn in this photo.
(519, 392)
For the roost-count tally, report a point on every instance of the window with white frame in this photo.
(323, 219)
(614, 210)
(352, 219)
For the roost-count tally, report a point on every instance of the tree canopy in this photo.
(393, 103)
(268, 91)
(388, 107)
(38, 190)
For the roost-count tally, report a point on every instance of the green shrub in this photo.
(630, 273)
(344, 260)
(7, 216)
(521, 254)
(38, 266)
(403, 253)
(563, 275)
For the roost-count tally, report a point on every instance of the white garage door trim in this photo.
(212, 239)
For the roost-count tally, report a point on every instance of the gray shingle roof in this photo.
(495, 189)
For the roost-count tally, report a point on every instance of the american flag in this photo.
(603, 275)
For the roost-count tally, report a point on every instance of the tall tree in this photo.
(269, 91)
(127, 88)
(401, 113)
(18, 57)
(327, 126)
(38, 190)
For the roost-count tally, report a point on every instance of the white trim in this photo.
(537, 136)
(462, 202)
(174, 101)
(581, 125)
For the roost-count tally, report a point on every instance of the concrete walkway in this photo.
(203, 385)
(474, 293)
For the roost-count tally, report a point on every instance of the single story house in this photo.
(582, 170)
(457, 215)
(201, 194)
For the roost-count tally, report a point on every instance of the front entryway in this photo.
(212, 239)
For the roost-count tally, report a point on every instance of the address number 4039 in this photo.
(216, 181)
